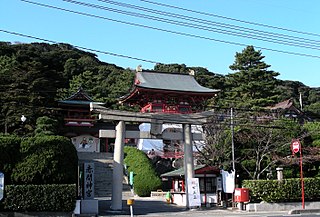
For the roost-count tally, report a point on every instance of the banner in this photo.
(194, 192)
(228, 181)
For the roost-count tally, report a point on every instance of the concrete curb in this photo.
(303, 211)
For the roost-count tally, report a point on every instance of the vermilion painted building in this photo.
(79, 124)
(165, 92)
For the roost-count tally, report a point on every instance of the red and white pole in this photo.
(301, 177)
(297, 147)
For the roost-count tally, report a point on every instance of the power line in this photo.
(233, 19)
(256, 33)
(291, 42)
(80, 47)
(170, 31)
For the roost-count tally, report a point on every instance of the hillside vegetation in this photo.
(34, 76)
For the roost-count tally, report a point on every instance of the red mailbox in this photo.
(241, 195)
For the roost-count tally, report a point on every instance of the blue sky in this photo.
(207, 49)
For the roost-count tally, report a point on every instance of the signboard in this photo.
(86, 143)
(295, 146)
(194, 192)
(88, 180)
(1, 185)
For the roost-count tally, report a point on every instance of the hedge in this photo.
(9, 155)
(287, 190)
(145, 177)
(39, 198)
(46, 160)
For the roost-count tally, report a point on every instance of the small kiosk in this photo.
(210, 183)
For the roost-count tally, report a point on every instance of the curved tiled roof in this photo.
(79, 98)
(170, 81)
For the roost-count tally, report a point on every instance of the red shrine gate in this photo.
(168, 93)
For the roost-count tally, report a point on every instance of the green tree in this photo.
(217, 149)
(261, 146)
(46, 126)
(252, 85)
(173, 68)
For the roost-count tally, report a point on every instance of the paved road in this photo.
(154, 208)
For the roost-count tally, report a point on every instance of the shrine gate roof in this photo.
(170, 81)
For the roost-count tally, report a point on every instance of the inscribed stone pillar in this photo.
(117, 177)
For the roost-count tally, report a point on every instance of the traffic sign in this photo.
(295, 145)
(1, 185)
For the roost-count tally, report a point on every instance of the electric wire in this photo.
(80, 47)
(171, 31)
(233, 19)
(198, 26)
(256, 34)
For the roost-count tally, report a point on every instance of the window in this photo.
(208, 184)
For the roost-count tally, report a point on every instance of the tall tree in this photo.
(217, 150)
(174, 67)
(260, 146)
(252, 85)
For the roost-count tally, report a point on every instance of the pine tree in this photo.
(252, 85)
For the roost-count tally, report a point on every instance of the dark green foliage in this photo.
(145, 177)
(46, 160)
(173, 68)
(289, 190)
(9, 155)
(313, 129)
(37, 198)
(252, 85)
(34, 76)
(104, 83)
(46, 126)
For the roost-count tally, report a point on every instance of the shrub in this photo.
(9, 155)
(47, 160)
(37, 198)
(288, 190)
(145, 177)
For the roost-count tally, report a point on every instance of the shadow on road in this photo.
(141, 207)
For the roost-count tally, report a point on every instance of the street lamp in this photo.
(23, 118)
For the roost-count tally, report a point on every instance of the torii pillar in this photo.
(117, 176)
(188, 158)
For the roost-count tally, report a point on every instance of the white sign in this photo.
(88, 180)
(1, 185)
(194, 192)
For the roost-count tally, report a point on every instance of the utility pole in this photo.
(232, 139)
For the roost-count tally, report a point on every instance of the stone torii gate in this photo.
(156, 120)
